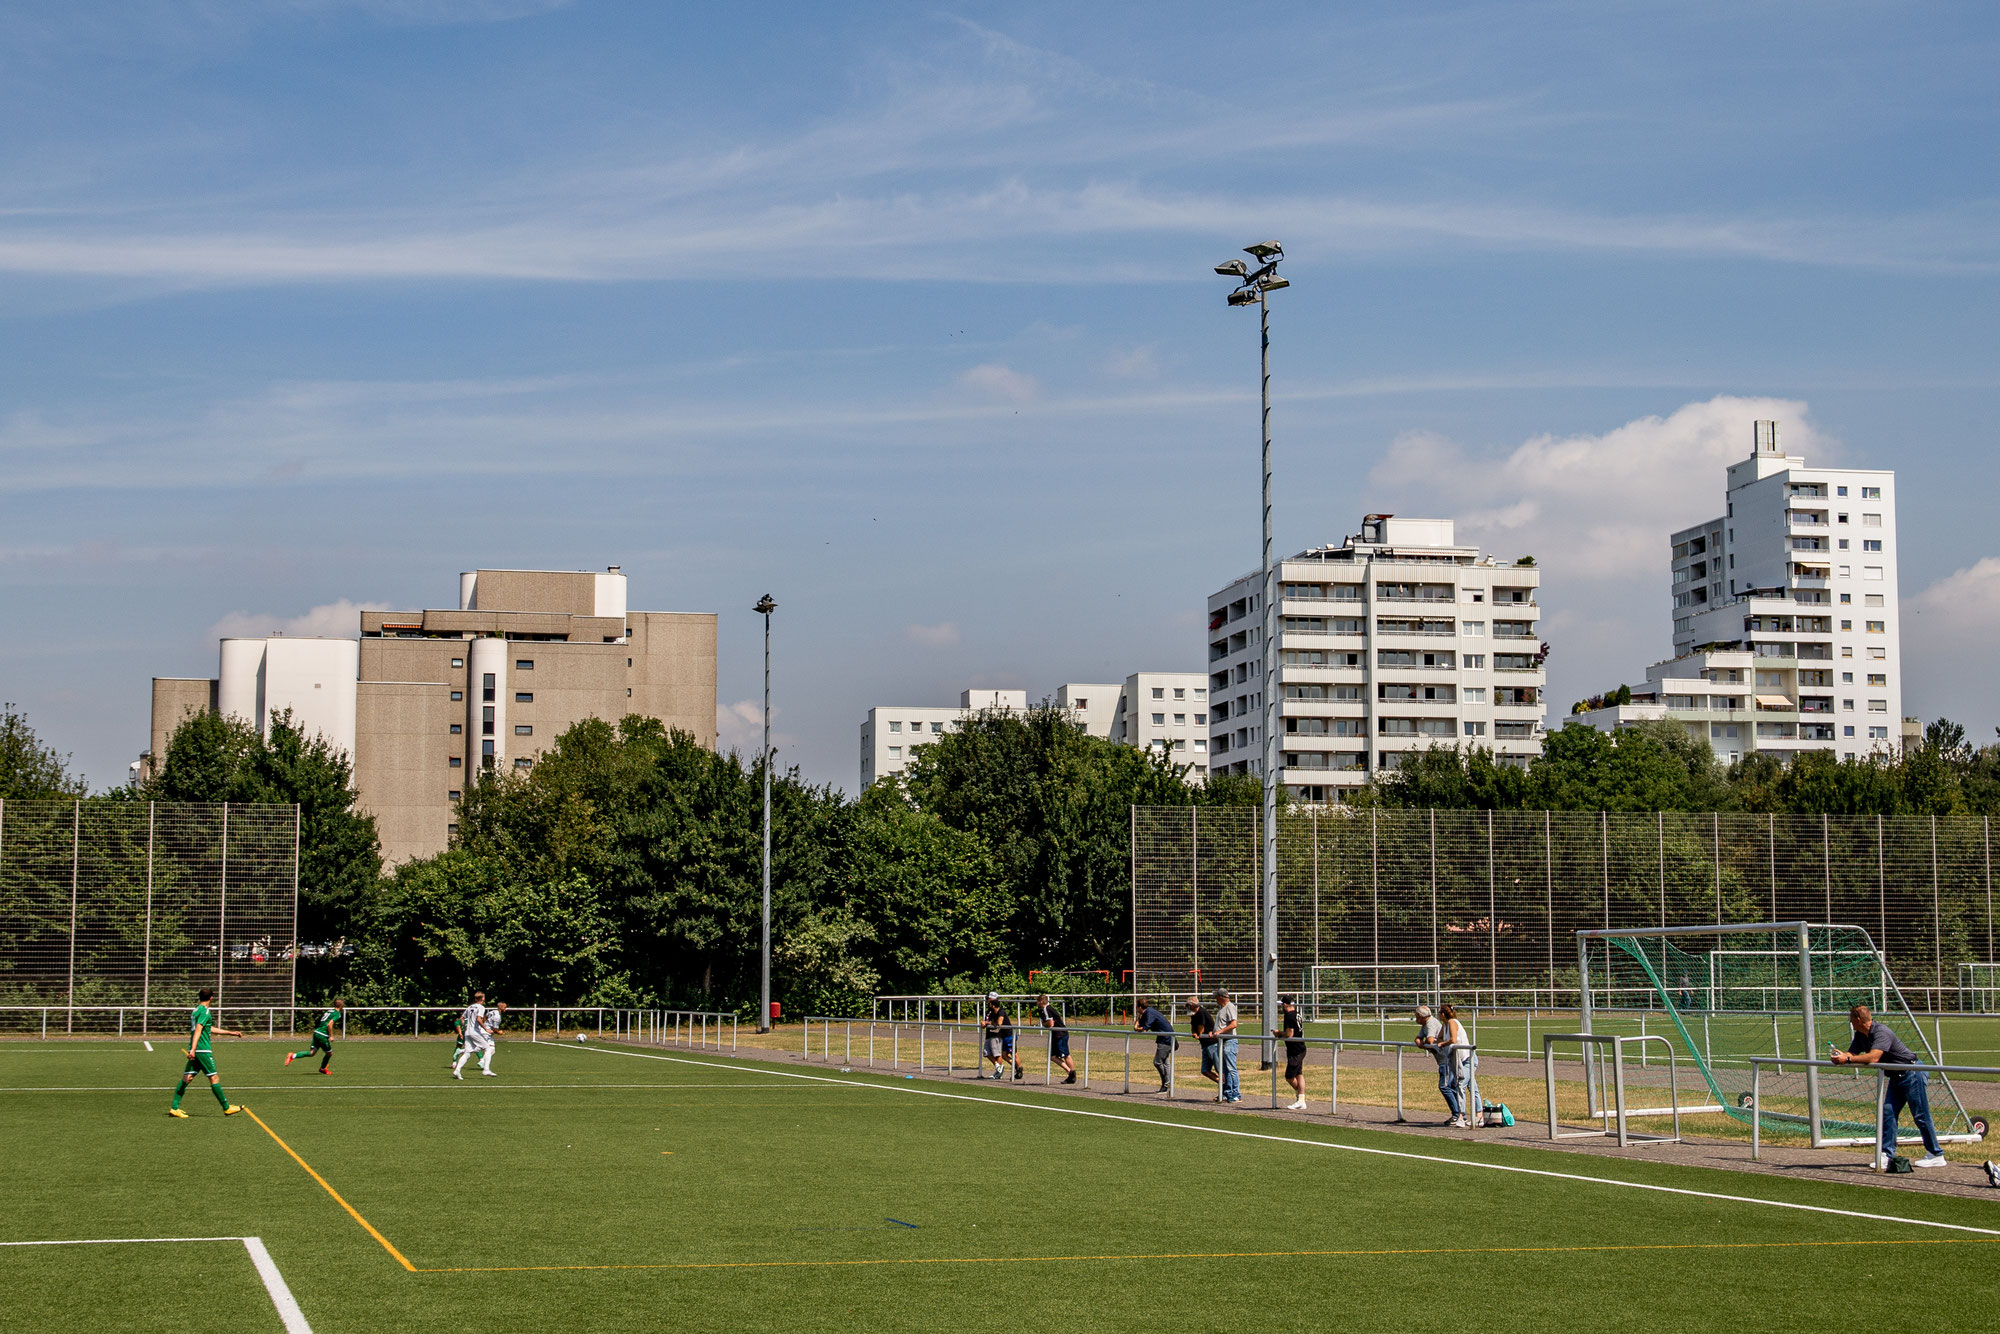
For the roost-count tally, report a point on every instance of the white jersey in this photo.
(469, 1022)
(489, 1024)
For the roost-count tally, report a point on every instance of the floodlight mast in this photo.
(764, 607)
(1254, 287)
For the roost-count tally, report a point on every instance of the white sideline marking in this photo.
(149, 1046)
(289, 1315)
(1329, 1144)
(443, 1085)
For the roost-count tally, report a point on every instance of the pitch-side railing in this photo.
(934, 1045)
(1615, 1114)
(1883, 1070)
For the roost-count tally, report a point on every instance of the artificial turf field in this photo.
(603, 1188)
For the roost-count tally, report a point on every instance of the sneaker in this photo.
(1165, 1089)
(1020, 1075)
(1071, 1079)
(177, 1112)
(489, 1074)
(326, 1072)
(1298, 1106)
(456, 1075)
(291, 1056)
(1992, 1173)
(1881, 1164)
(1935, 1160)
(231, 1111)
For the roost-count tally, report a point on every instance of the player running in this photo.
(322, 1039)
(480, 1039)
(466, 1027)
(200, 1058)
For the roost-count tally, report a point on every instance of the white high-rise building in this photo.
(1165, 711)
(1396, 640)
(1786, 604)
(892, 734)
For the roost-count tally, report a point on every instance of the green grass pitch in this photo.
(596, 1188)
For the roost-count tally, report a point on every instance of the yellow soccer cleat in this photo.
(231, 1111)
(175, 1111)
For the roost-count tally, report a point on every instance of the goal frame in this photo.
(1801, 931)
(1982, 979)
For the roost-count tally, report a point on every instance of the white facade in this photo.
(1711, 693)
(1397, 640)
(313, 677)
(1166, 711)
(1095, 705)
(891, 735)
(1797, 578)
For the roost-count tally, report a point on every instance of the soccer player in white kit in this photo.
(479, 1038)
(468, 1032)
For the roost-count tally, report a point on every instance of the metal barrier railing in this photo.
(874, 1033)
(1883, 1070)
(1614, 1114)
(694, 1029)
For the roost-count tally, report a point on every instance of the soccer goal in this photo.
(1331, 988)
(1763, 989)
(1979, 988)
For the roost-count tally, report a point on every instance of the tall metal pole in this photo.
(766, 606)
(1269, 1007)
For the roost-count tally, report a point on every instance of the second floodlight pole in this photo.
(1269, 1006)
(766, 605)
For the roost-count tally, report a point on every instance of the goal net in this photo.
(1331, 988)
(1979, 988)
(1770, 989)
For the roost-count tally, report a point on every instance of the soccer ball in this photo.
(579, 1037)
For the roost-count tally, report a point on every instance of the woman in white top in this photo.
(1455, 1067)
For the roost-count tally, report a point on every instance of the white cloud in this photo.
(331, 620)
(1000, 382)
(1951, 638)
(942, 635)
(1134, 364)
(739, 727)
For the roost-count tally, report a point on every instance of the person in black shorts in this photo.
(1000, 1039)
(1052, 1020)
(1291, 1028)
(1201, 1023)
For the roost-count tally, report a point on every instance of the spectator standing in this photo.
(1430, 1034)
(1291, 1028)
(1455, 1076)
(1000, 1039)
(1873, 1042)
(1162, 1029)
(1225, 1028)
(1052, 1020)
(1201, 1023)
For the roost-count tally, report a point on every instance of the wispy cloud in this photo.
(330, 620)
(942, 635)
(995, 380)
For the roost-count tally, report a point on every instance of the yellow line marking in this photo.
(1228, 1255)
(352, 1212)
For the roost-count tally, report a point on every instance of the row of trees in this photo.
(625, 866)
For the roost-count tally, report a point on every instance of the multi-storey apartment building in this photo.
(423, 701)
(1396, 640)
(892, 734)
(1791, 595)
(1165, 711)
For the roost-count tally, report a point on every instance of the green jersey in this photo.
(199, 1023)
(323, 1028)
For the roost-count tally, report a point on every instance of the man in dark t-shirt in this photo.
(1201, 1023)
(1292, 1028)
(1000, 1038)
(1162, 1029)
(1052, 1019)
(1876, 1042)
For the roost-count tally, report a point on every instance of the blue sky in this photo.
(905, 315)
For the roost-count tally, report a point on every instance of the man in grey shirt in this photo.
(1877, 1042)
(1225, 1028)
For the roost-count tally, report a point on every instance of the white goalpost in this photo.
(1979, 987)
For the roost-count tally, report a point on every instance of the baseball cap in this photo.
(1423, 1012)
(992, 995)
(1284, 1000)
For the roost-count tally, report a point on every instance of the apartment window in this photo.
(895, 752)
(522, 761)
(1847, 625)
(1847, 678)
(1475, 729)
(524, 664)
(1159, 692)
(1871, 521)
(458, 662)
(1201, 692)
(486, 754)
(1201, 719)
(1474, 662)
(937, 729)
(1201, 743)
(1871, 493)
(1878, 653)
(456, 728)
(1871, 544)
(628, 692)
(1473, 629)
(1846, 598)
(524, 697)
(451, 831)
(1843, 544)
(457, 695)
(895, 727)
(1180, 743)
(1845, 571)
(1876, 627)
(1878, 706)
(1081, 704)
(1840, 491)
(486, 687)
(1180, 720)
(486, 721)
(1878, 734)
(453, 794)
(1180, 692)
(1878, 678)
(523, 729)
(1159, 720)
(1847, 650)
(1474, 694)
(1840, 518)
(1848, 730)
(1873, 599)
(628, 662)
(1847, 706)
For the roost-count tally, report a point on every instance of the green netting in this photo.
(1741, 992)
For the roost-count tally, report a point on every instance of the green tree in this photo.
(1651, 767)
(29, 770)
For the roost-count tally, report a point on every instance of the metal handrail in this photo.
(1883, 1070)
(1618, 1109)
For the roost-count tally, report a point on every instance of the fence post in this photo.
(146, 958)
(1492, 912)
(1435, 963)
(75, 850)
(1604, 842)
(1549, 891)
(222, 910)
(1937, 921)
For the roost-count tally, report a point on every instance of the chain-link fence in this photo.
(1493, 898)
(108, 903)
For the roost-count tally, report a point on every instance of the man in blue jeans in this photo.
(1875, 1042)
(1225, 1028)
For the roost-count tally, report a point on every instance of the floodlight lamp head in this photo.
(1233, 268)
(1274, 282)
(1243, 297)
(765, 605)
(1264, 250)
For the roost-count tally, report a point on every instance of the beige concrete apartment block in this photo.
(673, 670)
(175, 700)
(404, 778)
(570, 591)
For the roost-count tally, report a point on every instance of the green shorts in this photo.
(201, 1063)
(321, 1040)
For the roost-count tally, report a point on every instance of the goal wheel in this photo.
(1979, 1126)
(1745, 1101)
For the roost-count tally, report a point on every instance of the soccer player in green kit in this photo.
(323, 1035)
(200, 1059)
